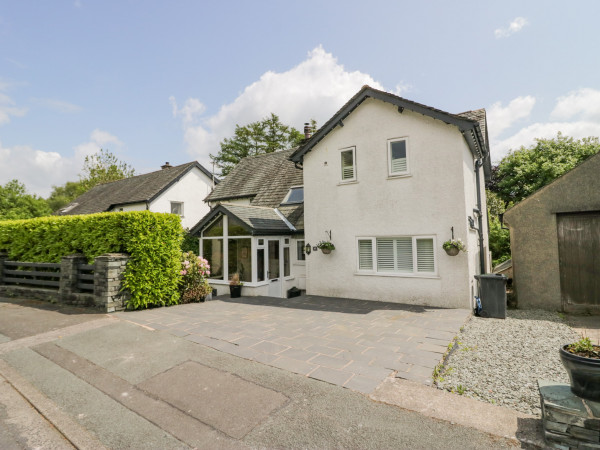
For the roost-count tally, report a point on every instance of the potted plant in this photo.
(193, 286)
(235, 286)
(582, 362)
(454, 246)
(326, 247)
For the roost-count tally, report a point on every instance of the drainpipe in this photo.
(478, 164)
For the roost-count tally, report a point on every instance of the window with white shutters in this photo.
(397, 255)
(398, 156)
(365, 254)
(348, 164)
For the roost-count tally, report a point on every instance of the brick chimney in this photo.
(307, 131)
(166, 166)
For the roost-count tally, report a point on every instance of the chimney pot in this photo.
(166, 165)
(307, 130)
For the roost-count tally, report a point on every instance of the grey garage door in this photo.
(579, 255)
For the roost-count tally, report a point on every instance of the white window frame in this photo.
(354, 171)
(389, 157)
(177, 203)
(414, 273)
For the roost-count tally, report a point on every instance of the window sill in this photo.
(399, 175)
(300, 263)
(398, 275)
(344, 183)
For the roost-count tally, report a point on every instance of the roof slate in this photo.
(266, 180)
(137, 189)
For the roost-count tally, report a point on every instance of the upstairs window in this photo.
(398, 156)
(177, 208)
(294, 195)
(348, 164)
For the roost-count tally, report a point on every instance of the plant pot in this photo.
(235, 291)
(326, 251)
(452, 251)
(584, 374)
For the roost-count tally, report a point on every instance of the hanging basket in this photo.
(326, 251)
(452, 251)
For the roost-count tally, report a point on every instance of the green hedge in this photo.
(151, 239)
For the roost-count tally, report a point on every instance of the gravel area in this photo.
(500, 361)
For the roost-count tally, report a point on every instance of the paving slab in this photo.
(356, 337)
(228, 403)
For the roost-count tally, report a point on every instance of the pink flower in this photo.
(184, 272)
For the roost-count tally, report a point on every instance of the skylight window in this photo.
(294, 195)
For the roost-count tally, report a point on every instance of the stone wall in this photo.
(107, 294)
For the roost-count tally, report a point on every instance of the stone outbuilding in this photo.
(555, 242)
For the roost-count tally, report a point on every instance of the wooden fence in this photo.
(31, 274)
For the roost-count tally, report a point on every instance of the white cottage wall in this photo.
(427, 202)
(191, 190)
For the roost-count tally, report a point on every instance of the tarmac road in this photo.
(98, 381)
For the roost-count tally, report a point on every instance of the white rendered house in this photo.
(173, 189)
(387, 181)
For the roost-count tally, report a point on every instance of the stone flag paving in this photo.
(350, 343)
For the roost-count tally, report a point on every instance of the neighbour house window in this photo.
(398, 156)
(294, 195)
(401, 255)
(301, 256)
(177, 208)
(348, 164)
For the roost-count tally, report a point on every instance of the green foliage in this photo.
(499, 242)
(582, 345)
(103, 167)
(256, 138)
(524, 171)
(16, 203)
(325, 245)
(151, 239)
(194, 284)
(190, 243)
(454, 243)
(63, 195)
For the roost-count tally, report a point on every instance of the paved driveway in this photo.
(351, 343)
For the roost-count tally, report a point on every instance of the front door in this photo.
(273, 268)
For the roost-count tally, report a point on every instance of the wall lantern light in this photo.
(307, 249)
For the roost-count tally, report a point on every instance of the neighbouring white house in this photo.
(173, 189)
(387, 181)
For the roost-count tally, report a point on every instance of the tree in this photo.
(256, 138)
(16, 203)
(63, 195)
(524, 171)
(103, 167)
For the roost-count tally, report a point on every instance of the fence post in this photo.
(68, 276)
(108, 281)
(3, 257)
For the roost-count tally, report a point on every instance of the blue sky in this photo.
(167, 81)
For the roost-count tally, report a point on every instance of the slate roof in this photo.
(259, 220)
(265, 180)
(470, 127)
(137, 189)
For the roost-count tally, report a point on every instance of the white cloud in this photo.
(40, 170)
(576, 114)
(57, 105)
(583, 103)
(314, 89)
(500, 118)
(514, 27)
(8, 109)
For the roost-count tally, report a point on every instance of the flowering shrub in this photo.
(194, 283)
(454, 243)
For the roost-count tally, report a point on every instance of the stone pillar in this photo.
(3, 257)
(68, 277)
(108, 281)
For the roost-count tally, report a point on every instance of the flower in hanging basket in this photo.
(454, 246)
(325, 246)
